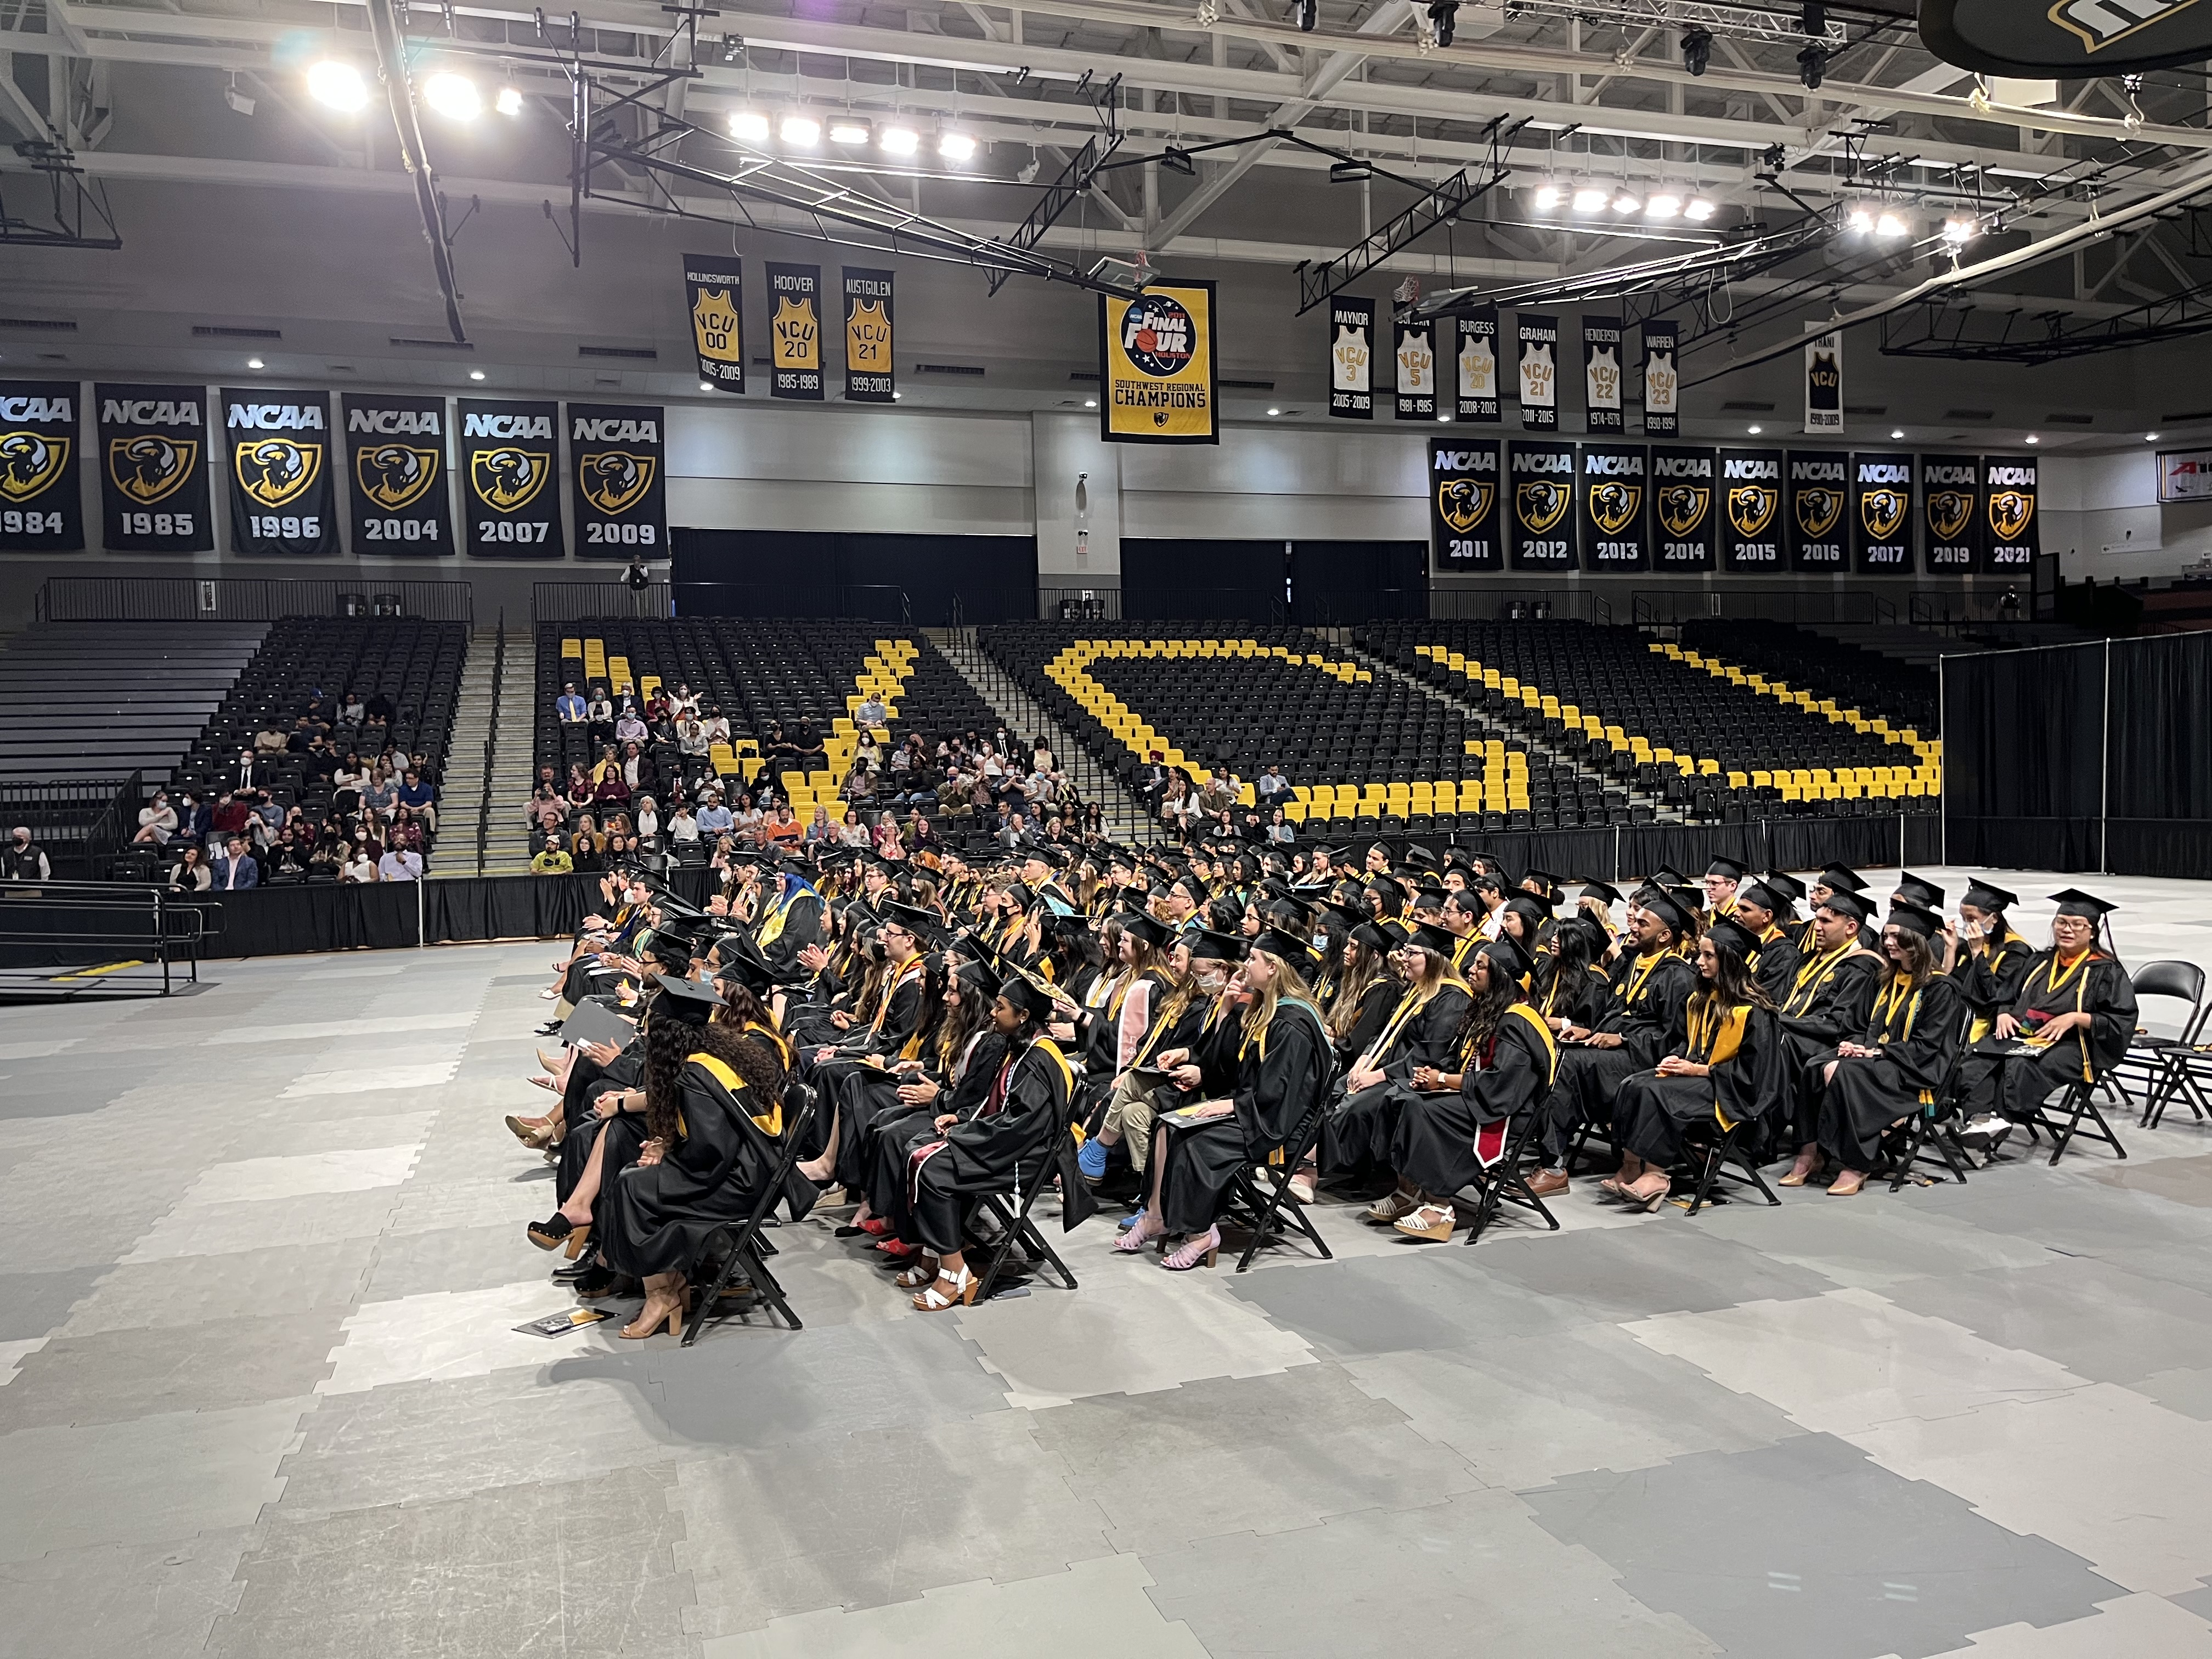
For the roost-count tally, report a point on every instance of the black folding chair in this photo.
(1015, 1225)
(2150, 1058)
(1934, 1125)
(1506, 1181)
(1726, 1157)
(746, 1254)
(2064, 1121)
(1263, 1212)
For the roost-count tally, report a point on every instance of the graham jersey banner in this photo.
(868, 375)
(1824, 384)
(41, 508)
(1819, 488)
(2008, 510)
(154, 492)
(794, 334)
(615, 457)
(1540, 484)
(1540, 372)
(1477, 366)
(1602, 374)
(1662, 383)
(396, 469)
(1951, 502)
(1415, 348)
(1156, 366)
(510, 454)
(1613, 508)
(1751, 510)
(714, 292)
(1351, 359)
(1682, 512)
(1882, 511)
(2070, 40)
(1463, 503)
(278, 447)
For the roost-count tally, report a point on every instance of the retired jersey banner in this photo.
(1540, 495)
(1751, 510)
(1351, 359)
(1662, 382)
(621, 498)
(1881, 513)
(1539, 372)
(1477, 367)
(1415, 346)
(1156, 377)
(1820, 490)
(154, 468)
(1614, 509)
(714, 293)
(1682, 510)
(396, 471)
(2069, 40)
(278, 447)
(41, 508)
(1463, 521)
(868, 375)
(1602, 374)
(794, 334)
(1951, 503)
(2008, 511)
(510, 457)
(1824, 383)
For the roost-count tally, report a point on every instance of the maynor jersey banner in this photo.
(41, 508)
(794, 336)
(1882, 511)
(1750, 503)
(1156, 366)
(1415, 346)
(1351, 359)
(277, 446)
(621, 498)
(1477, 366)
(868, 375)
(1820, 490)
(1613, 508)
(1601, 390)
(153, 465)
(395, 464)
(1682, 510)
(1662, 382)
(509, 463)
(1539, 372)
(1951, 505)
(1463, 518)
(714, 293)
(2008, 511)
(1539, 504)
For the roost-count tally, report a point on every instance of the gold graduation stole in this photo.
(1717, 1035)
(1534, 1021)
(770, 1125)
(1979, 1026)
(1813, 975)
(910, 970)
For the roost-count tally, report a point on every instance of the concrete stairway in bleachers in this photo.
(105, 699)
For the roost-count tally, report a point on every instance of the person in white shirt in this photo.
(400, 864)
(681, 826)
(870, 712)
(360, 866)
(684, 700)
(157, 820)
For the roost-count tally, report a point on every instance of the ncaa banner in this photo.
(153, 468)
(1662, 383)
(1881, 513)
(41, 508)
(1951, 502)
(868, 375)
(614, 462)
(1602, 374)
(396, 468)
(713, 292)
(2072, 41)
(794, 335)
(1351, 359)
(1477, 369)
(1156, 366)
(1824, 383)
(279, 450)
(1463, 504)
(1539, 482)
(509, 456)
(1614, 512)
(1540, 372)
(1415, 348)
(1682, 515)
(2008, 503)
(1819, 488)
(1751, 510)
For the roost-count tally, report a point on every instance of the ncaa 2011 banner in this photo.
(1463, 520)
(277, 447)
(1156, 366)
(616, 466)
(396, 465)
(154, 495)
(869, 377)
(714, 294)
(510, 467)
(41, 509)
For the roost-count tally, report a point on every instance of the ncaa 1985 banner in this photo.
(40, 508)
(278, 447)
(714, 294)
(615, 457)
(868, 375)
(395, 464)
(509, 459)
(1156, 366)
(154, 468)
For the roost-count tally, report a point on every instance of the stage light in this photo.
(239, 102)
(339, 85)
(1308, 15)
(1663, 206)
(802, 132)
(1350, 173)
(453, 96)
(1812, 64)
(1549, 196)
(1698, 208)
(1627, 202)
(510, 102)
(899, 141)
(1859, 221)
(749, 126)
(848, 131)
(1897, 433)
(1814, 21)
(253, 362)
(475, 374)
(1959, 232)
(1589, 199)
(1696, 50)
(2033, 439)
(1443, 16)
(1174, 160)
(956, 147)
(1888, 227)
(1753, 430)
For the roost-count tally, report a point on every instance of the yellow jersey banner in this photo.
(868, 376)
(1155, 356)
(713, 290)
(794, 331)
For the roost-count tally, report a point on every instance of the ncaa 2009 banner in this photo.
(1156, 366)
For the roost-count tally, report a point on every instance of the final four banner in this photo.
(41, 509)
(1820, 488)
(1539, 482)
(1662, 383)
(278, 447)
(1476, 363)
(1156, 366)
(1614, 512)
(1682, 508)
(154, 468)
(869, 378)
(510, 455)
(1415, 348)
(1351, 359)
(1540, 372)
(1751, 510)
(616, 460)
(396, 457)
(2008, 510)
(1463, 504)
(794, 332)
(1881, 513)
(1601, 390)
(1824, 384)
(714, 290)
(1951, 500)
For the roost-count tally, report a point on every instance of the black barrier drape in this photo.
(2068, 844)
(1177, 577)
(1338, 582)
(883, 578)
(2160, 765)
(2158, 847)
(2024, 733)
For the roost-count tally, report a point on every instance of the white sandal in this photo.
(964, 1286)
(1431, 1221)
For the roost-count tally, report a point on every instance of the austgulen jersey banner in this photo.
(278, 447)
(2008, 511)
(396, 471)
(1614, 514)
(1463, 518)
(1751, 510)
(1682, 507)
(1539, 482)
(1882, 511)
(713, 292)
(509, 465)
(1820, 488)
(1601, 378)
(1351, 359)
(1662, 382)
(1415, 348)
(1950, 504)
(616, 461)
(153, 462)
(1156, 366)
(1477, 366)
(1539, 372)
(41, 508)
(869, 377)
(794, 334)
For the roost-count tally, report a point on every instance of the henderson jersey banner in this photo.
(1602, 374)
(1951, 501)
(868, 375)
(1540, 372)
(278, 446)
(620, 497)
(1540, 485)
(2008, 510)
(1477, 365)
(1415, 346)
(1156, 366)
(714, 290)
(1662, 383)
(1820, 488)
(153, 468)
(1824, 383)
(1351, 359)
(1614, 509)
(794, 337)
(509, 458)
(1882, 511)
(396, 460)
(1463, 503)
(1682, 514)
(1751, 510)
(41, 508)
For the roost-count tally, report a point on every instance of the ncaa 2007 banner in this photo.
(1156, 366)
(1463, 524)
(714, 295)
(616, 464)
(794, 334)
(396, 460)
(869, 378)
(154, 492)
(41, 509)
(509, 465)
(277, 447)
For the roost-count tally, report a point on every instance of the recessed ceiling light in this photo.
(1090, 403)
(1897, 433)
(1442, 415)
(1278, 411)
(1753, 430)
(706, 386)
(475, 374)
(2150, 437)
(253, 362)
(2033, 439)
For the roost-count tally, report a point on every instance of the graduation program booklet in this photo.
(594, 1022)
(560, 1324)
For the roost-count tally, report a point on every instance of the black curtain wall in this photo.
(922, 581)
(1166, 577)
(2161, 744)
(1334, 583)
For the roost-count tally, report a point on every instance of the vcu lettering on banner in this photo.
(1750, 492)
(1951, 505)
(620, 497)
(1882, 511)
(1682, 512)
(1156, 366)
(1539, 372)
(1463, 503)
(1615, 512)
(1602, 387)
(41, 506)
(1416, 354)
(1351, 359)
(280, 472)
(715, 290)
(1539, 482)
(1476, 361)
(2008, 511)
(794, 335)
(154, 495)
(396, 463)
(1824, 384)
(1662, 384)
(869, 378)
(510, 456)
(1820, 490)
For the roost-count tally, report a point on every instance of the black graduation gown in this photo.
(1743, 1045)
(1358, 1129)
(1989, 980)
(890, 1138)
(994, 1152)
(1918, 1030)
(1375, 1005)
(1775, 967)
(1646, 1005)
(1582, 1002)
(802, 926)
(1445, 1140)
(654, 1217)
(1278, 1074)
(2098, 987)
(1827, 1004)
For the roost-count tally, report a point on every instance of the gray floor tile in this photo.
(31, 1305)
(452, 1259)
(191, 1290)
(2096, 1319)
(1666, 1267)
(1430, 1299)
(121, 1600)
(209, 1366)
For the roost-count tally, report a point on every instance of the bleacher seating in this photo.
(105, 699)
(1848, 675)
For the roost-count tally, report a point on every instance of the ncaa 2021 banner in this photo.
(617, 465)
(1156, 373)
(869, 377)
(277, 447)
(714, 295)
(510, 466)
(41, 508)
(154, 494)
(2008, 511)
(1463, 518)
(794, 335)
(396, 452)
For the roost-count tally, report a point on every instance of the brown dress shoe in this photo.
(1547, 1182)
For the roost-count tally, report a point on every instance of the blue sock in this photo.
(1090, 1158)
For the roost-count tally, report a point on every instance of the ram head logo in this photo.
(1882, 512)
(1614, 505)
(1949, 512)
(1818, 511)
(1682, 507)
(1541, 503)
(508, 480)
(150, 467)
(1749, 508)
(274, 470)
(393, 476)
(2010, 512)
(614, 479)
(1463, 503)
(29, 462)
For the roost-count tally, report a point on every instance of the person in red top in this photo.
(231, 815)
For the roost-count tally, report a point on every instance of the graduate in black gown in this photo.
(1827, 1004)
(791, 923)
(1567, 988)
(1989, 962)
(1766, 909)
(2078, 999)
(1356, 1134)
(1835, 879)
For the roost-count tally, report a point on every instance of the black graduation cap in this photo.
(2073, 902)
(1669, 908)
(1044, 852)
(1022, 897)
(1733, 937)
(1206, 946)
(1426, 898)
(673, 947)
(1532, 910)
(1840, 878)
(1983, 896)
(1729, 867)
(1916, 918)
(979, 975)
(1591, 930)
(741, 970)
(1383, 847)
(1294, 951)
(1759, 895)
(1419, 857)
(1668, 877)
(1152, 931)
(1459, 856)
(1436, 940)
(1783, 885)
(1547, 884)
(681, 999)
(1845, 900)
(1028, 995)
(1925, 894)
(1373, 936)
(1507, 955)
(1603, 891)
(922, 924)
(1072, 925)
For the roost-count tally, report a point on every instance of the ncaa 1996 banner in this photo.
(40, 508)
(615, 457)
(714, 294)
(277, 448)
(794, 335)
(154, 468)
(1156, 382)
(1463, 504)
(510, 456)
(396, 468)
(868, 375)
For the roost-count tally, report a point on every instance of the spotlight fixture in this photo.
(1859, 221)
(453, 96)
(1698, 208)
(1888, 227)
(508, 102)
(1443, 16)
(1898, 432)
(1549, 196)
(1626, 201)
(1812, 62)
(1350, 173)
(475, 374)
(239, 102)
(749, 126)
(1959, 232)
(1753, 430)
(338, 85)
(800, 131)
(1664, 205)
(846, 130)
(1588, 198)
(956, 147)
(1178, 160)
(1308, 13)
(254, 362)
(1696, 50)
(899, 141)
(2032, 438)
(1774, 158)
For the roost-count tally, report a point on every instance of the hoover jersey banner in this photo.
(41, 508)
(1824, 384)
(1751, 510)
(868, 375)
(1662, 384)
(1540, 372)
(1614, 511)
(714, 291)
(396, 467)
(1951, 502)
(1463, 503)
(1820, 487)
(279, 449)
(1682, 514)
(1156, 366)
(1540, 484)
(621, 498)
(1476, 361)
(1602, 374)
(1882, 511)
(510, 452)
(1415, 348)
(1351, 359)
(2008, 511)
(794, 335)
(154, 494)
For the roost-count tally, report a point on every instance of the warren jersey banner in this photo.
(714, 291)
(1819, 488)
(396, 471)
(620, 497)
(1950, 504)
(1351, 359)
(1477, 365)
(1415, 348)
(1602, 374)
(1614, 507)
(868, 376)
(794, 335)
(510, 453)
(1539, 496)
(153, 468)
(1463, 503)
(278, 447)
(1662, 384)
(2008, 511)
(1540, 372)
(1682, 512)
(1882, 511)
(1824, 384)
(2069, 40)
(1750, 506)
(41, 509)
(1156, 366)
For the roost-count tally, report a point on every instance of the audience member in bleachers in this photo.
(419, 797)
(157, 820)
(26, 862)
(399, 863)
(360, 863)
(569, 707)
(190, 874)
(235, 869)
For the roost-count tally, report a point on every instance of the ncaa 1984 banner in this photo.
(509, 458)
(396, 468)
(615, 457)
(278, 446)
(795, 333)
(868, 375)
(1463, 524)
(714, 294)
(40, 508)
(1156, 366)
(154, 468)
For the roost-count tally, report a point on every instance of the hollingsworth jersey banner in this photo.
(794, 334)
(41, 508)
(713, 292)
(1539, 372)
(509, 459)
(1682, 515)
(1476, 361)
(869, 378)
(1415, 346)
(1540, 484)
(1882, 511)
(1662, 382)
(2008, 510)
(620, 497)
(1751, 510)
(1614, 511)
(396, 460)
(1824, 383)
(1463, 503)
(153, 468)
(1351, 359)
(1951, 501)
(1602, 374)
(1819, 488)
(1156, 380)
(279, 450)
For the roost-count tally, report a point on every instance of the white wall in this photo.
(2101, 515)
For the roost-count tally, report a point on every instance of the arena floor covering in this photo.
(261, 1394)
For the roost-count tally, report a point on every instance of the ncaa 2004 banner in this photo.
(1156, 366)
(396, 452)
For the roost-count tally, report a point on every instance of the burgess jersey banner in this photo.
(1539, 486)
(509, 459)
(794, 336)
(1156, 366)
(620, 497)
(713, 290)
(1613, 511)
(1819, 488)
(1477, 365)
(868, 375)
(1463, 503)
(153, 468)
(41, 508)
(1882, 511)
(1682, 515)
(279, 450)
(396, 460)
